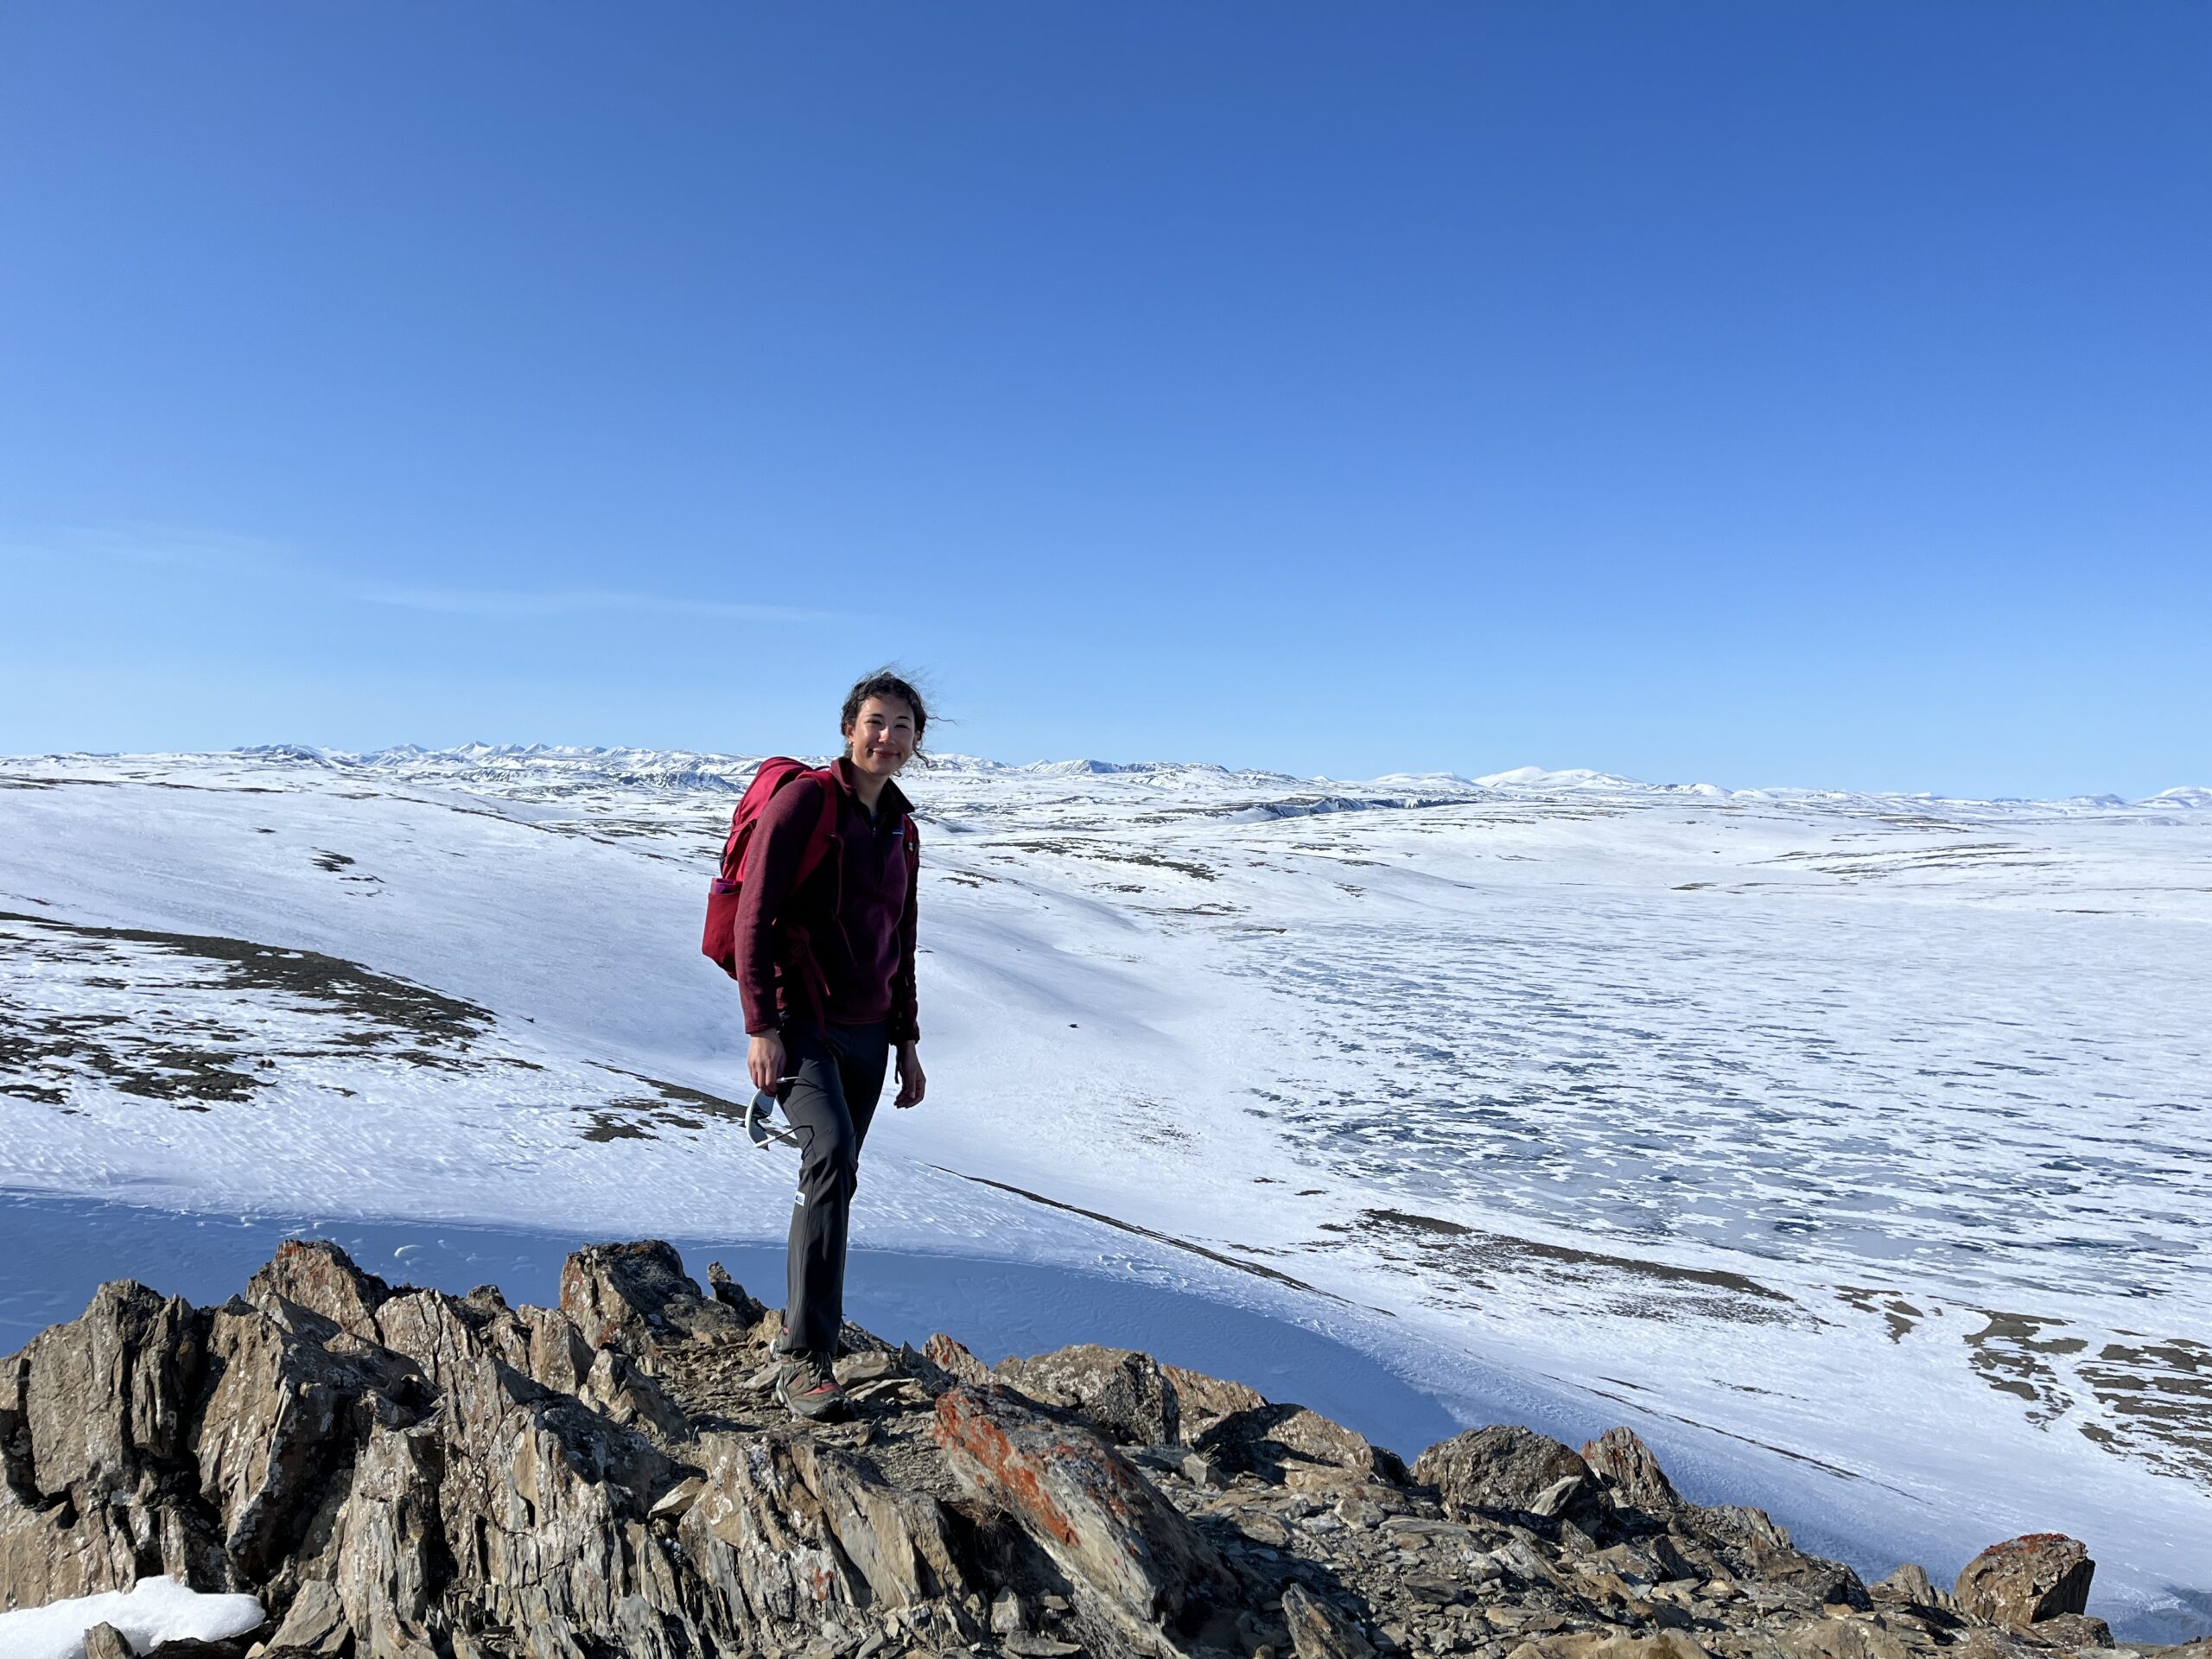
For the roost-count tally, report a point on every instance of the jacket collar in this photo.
(894, 805)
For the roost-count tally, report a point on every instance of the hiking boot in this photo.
(811, 1389)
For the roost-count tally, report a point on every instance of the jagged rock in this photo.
(105, 1642)
(955, 1361)
(631, 1397)
(1510, 1470)
(293, 1394)
(2077, 1631)
(637, 1295)
(1290, 1446)
(2026, 1580)
(1205, 1401)
(731, 1295)
(1120, 1390)
(1633, 1475)
(1101, 1521)
(1519, 1555)
(1910, 1583)
(899, 1540)
(763, 1541)
(1319, 1630)
(105, 1397)
(400, 1474)
(95, 1436)
(1751, 1546)
(315, 1623)
(539, 1502)
(318, 1275)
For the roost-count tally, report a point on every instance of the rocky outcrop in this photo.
(397, 1473)
(2030, 1581)
(1289, 1445)
(949, 1355)
(1508, 1470)
(1120, 1390)
(1204, 1401)
(1106, 1526)
(1632, 1475)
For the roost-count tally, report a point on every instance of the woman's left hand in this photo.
(911, 1083)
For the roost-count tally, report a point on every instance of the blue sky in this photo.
(1809, 393)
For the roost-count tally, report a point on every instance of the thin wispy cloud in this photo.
(585, 601)
(217, 554)
(212, 552)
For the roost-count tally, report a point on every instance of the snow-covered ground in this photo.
(150, 1613)
(1858, 1150)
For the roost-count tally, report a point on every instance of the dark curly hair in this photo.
(884, 682)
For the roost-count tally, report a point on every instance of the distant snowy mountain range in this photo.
(689, 769)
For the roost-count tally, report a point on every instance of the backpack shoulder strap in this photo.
(824, 832)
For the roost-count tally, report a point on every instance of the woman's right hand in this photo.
(764, 1060)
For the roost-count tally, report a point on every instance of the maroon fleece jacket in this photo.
(852, 920)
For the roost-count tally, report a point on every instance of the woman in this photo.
(826, 967)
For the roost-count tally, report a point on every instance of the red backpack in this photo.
(720, 941)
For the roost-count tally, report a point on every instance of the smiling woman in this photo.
(824, 950)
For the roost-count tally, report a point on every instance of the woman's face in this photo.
(881, 739)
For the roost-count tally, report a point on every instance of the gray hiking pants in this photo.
(838, 1074)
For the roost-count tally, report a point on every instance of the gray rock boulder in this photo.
(638, 1296)
(1508, 1470)
(1204, 1401)
(2027, 1580)
(1290, 1446)
(1122, 1392)
(1105, 1526)
(1631, 1474)
(1751, 1546)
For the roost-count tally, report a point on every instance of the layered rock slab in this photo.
(1101, 1520)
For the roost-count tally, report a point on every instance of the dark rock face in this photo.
(1123, 1392)
(400, 1474)
(2026, 1580)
